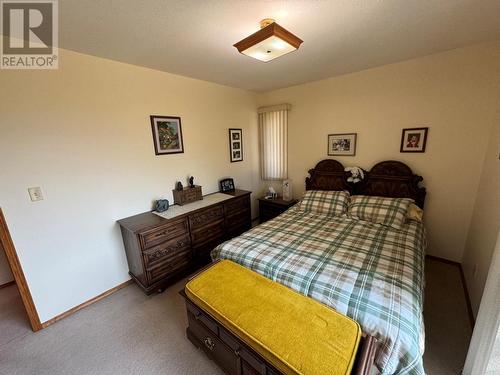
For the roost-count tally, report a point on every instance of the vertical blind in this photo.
(273, 130)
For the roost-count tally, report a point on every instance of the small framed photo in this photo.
(235, 145)
(342, 144)
(226, 184)
(414, 139)
(167, 134)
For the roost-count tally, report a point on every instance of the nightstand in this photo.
(270, 208)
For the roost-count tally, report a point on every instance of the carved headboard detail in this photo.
(387, 179)
(327, 175)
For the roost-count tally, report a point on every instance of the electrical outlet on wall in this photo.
(35, 194)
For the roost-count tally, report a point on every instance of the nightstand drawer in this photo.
(269, 209)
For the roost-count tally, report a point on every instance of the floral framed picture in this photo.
(167, 134)
(235, 145)
(342, 144)
(413, 139)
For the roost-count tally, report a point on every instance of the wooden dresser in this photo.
(161, 250)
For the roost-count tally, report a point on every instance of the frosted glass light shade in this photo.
(269, 43)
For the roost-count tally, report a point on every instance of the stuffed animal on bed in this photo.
(357, 174)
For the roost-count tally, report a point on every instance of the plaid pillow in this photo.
(327, 202)
(380, 210)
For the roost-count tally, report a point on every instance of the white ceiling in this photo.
(195, 37)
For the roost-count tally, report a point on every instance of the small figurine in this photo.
(178, 186)
(191, 182)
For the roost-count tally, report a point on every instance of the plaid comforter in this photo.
(369, 272)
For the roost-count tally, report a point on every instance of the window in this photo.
(273, 132)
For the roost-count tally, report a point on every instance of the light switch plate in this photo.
(35, 194)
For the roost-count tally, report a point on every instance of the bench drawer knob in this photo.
(209, 343)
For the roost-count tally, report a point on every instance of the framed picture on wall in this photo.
(342, 144)
(413, 139)
(167, 134)
(235, 145)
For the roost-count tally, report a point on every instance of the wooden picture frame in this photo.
(235, 145)
(167, 134)
(413, 139)
(342, 144)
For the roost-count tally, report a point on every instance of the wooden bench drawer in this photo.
(163, 233)
(199, 315)
(167, 250)
(206, 217)
(223, 355)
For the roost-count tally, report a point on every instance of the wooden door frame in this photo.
(488, 320)
(17, 272)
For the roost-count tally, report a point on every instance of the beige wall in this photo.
(485, 223)
(454, 93)
(82, 133)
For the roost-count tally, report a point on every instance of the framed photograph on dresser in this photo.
(235, 145)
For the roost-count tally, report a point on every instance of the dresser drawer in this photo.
(208, 233)
(161, 234)
(238, 204)
(238, 219)
(164, 268)
(206, 217)
(167, 250)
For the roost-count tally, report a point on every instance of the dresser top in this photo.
(150, 219)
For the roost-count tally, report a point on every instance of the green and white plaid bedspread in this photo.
(369, 272)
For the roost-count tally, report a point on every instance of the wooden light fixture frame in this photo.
(273, 29)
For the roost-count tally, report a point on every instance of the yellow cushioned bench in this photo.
(296, 334)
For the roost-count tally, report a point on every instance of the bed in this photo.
(369, 272)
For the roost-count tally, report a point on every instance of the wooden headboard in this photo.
(386, 179)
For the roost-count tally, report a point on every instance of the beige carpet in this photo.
(447, 326)
(130, 333)
(13, 320)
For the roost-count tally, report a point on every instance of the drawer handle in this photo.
(197, 316)
(237, 352)
(209, 343)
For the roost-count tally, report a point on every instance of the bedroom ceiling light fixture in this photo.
(270, 42)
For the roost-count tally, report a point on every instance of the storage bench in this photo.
(249, 324)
